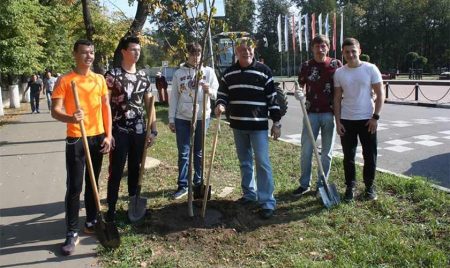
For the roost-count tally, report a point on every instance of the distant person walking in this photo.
(357, 85)
(49, 84)
(161, 86)
(35, 87)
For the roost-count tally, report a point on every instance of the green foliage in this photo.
(240, 15)
(388, 30)
(267, 25)
(21, 36)
(421, 61)
(364, 57)
(177, 27)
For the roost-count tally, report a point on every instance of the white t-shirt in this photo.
(356, 83)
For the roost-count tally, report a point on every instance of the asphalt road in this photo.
(412, 140)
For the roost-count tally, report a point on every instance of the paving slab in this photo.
(32, 190)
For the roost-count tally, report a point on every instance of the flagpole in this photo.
(279, 44)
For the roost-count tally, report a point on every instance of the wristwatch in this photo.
(154, 132)
(376, 116)
(277, 124)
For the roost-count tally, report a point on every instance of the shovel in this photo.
(106, 232)
(211, 161)
(328, 192)
(138, 205)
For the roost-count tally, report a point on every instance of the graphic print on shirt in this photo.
(127, 99)
(187, 85)
(315, 74)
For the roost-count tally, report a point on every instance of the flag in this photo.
(286, 33)
(306, 33)
(327, 27)
(342, 29)
(320, 23)
(293, 33)
(279, 33)
(313, 25)
(300, 32)
(334, 31)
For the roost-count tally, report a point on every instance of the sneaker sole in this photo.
(180, 196)
(305, 192)
(67, 253)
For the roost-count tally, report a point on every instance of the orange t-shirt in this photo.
(91, 88)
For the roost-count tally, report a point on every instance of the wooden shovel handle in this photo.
(211, 161)
(144, 152)
(86, 149)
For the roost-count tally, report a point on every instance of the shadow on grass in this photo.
(173, 219)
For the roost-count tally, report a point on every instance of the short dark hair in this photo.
(350, 41)
(82, 42)
(124, 42)
(319, 39)
(193, 47)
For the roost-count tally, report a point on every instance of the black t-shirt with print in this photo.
(127, 99)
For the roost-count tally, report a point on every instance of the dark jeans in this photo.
(34, 101)
(353, 129)
(129, 145)
(75, 165)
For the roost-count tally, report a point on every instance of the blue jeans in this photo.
(246, 142)
(182, 131)
(48, 94)
(325, 123)
(34, 101)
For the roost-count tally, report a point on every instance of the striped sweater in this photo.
(249, 96)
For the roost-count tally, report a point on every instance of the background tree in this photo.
(421, 61)
(177, 27)
(267, 25)
(364, 57)
(240, 15)
(21, 38)
(411, 58)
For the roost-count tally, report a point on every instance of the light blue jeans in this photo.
(257, 141)
(183, 136)
(325, 123)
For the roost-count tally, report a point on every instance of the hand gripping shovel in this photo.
(107, 233)
(138, 204)
(328, 192)
(211, 161)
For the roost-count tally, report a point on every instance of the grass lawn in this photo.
(409, 225)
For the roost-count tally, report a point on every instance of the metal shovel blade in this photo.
(324, 196)
(334, 194)
(107, 233)
(137, 208)
(330, 197)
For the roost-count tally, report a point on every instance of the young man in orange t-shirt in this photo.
(96, 113)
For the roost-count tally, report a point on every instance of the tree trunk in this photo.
(90, 34)
(135, 28)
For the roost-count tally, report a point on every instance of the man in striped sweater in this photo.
(247, 92)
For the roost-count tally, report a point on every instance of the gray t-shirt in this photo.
(49, 84)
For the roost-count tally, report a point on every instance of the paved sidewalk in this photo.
(32, 190)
